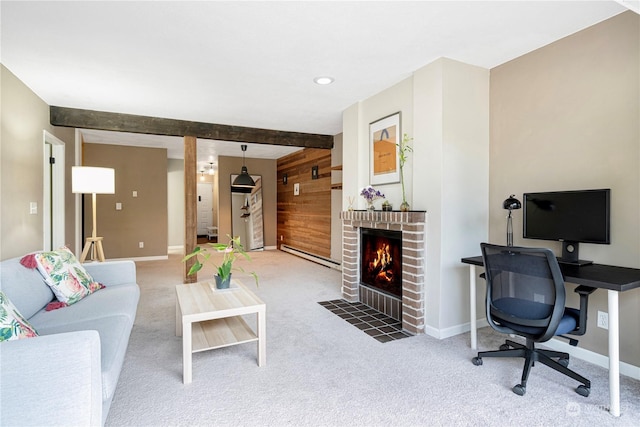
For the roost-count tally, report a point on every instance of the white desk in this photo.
(613, 279)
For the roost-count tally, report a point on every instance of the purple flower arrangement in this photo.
(370, 194)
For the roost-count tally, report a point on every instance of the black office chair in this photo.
(526, 297)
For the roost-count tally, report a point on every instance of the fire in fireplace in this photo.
(381, 260)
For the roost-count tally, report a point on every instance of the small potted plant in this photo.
(403, 150)
(231, 251)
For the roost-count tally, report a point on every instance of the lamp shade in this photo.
(244, 179)
(89, 179)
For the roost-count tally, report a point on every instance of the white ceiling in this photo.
(208, 150)
(253, 63)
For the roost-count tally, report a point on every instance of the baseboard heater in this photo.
(327, 262)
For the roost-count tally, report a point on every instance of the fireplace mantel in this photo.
(412, 226)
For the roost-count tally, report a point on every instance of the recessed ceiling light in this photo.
(324, 80)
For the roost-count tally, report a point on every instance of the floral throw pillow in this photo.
(12, 325)
(67, 278)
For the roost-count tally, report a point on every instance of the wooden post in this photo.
(190, 204)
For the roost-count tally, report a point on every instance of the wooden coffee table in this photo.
(209, 318)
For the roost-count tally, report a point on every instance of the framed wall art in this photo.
(384, 135)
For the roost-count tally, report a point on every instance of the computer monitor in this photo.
(572, 217)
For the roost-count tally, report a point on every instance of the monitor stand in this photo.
(570, 255)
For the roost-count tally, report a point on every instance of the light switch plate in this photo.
(296, 189)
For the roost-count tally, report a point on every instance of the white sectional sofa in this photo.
(67, 375)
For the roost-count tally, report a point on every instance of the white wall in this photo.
(445, 108)
(336, 200)
(451, 177)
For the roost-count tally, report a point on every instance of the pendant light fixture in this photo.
(244, 179)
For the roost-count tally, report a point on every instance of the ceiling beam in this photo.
(88, 119)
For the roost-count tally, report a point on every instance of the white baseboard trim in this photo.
(312, 257)
(454, 330)
(142, 258)
(557, 344)
(626, 369)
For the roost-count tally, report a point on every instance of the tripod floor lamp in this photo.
(93, 180)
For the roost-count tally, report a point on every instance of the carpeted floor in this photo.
(323, 371)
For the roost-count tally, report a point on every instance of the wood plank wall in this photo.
(304, 221)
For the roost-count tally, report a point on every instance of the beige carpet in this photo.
(323, 371)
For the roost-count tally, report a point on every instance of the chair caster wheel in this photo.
(519, 389)
(504, 347)
(583, 391)
(477, 361)
(564, 362)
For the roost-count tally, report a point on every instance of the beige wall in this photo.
(23, 117)
(175, 202)
(142, 218)
(268, 170)
(564, 117)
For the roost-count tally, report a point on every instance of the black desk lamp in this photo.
(511, 203)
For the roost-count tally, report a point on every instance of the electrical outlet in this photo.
(603, 320)
(141, 245)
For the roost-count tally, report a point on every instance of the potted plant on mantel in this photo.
(231, 251)
(403, 153)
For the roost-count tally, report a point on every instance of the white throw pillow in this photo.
(12, 325)
(68, 279)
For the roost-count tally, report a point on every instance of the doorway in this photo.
(246, 214)
(53, 172)
(205, 208)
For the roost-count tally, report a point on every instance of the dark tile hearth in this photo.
(372, 322)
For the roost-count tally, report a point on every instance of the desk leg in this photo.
(472, 306)
(186, 352)
(262, 337)
(614, 354)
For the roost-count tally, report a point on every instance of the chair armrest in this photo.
(51, 380)
(584, 292)
(112, 273)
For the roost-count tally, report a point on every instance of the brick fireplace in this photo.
(410, 308)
